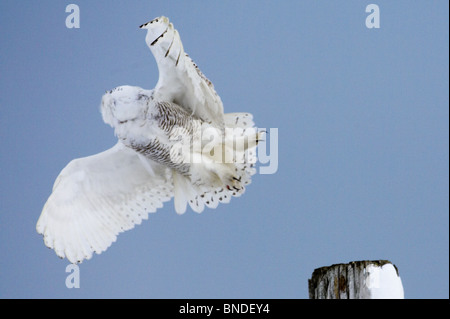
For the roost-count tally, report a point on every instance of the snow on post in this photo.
(376, 279)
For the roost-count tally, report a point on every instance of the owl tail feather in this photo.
(183, 191)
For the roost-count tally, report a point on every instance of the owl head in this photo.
(124, 103)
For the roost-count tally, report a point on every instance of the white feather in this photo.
(180, 80)
(97, 197)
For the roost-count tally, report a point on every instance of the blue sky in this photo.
(363, 134)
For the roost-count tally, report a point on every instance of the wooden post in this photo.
(375, 279)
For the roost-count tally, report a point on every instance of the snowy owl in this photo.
(173, 141)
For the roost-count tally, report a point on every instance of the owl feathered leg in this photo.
(217, 168)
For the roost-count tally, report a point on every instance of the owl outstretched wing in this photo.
(97, 197)
(180, 80)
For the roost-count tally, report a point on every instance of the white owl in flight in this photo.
(173, 141)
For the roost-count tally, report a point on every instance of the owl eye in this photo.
(142, 96)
